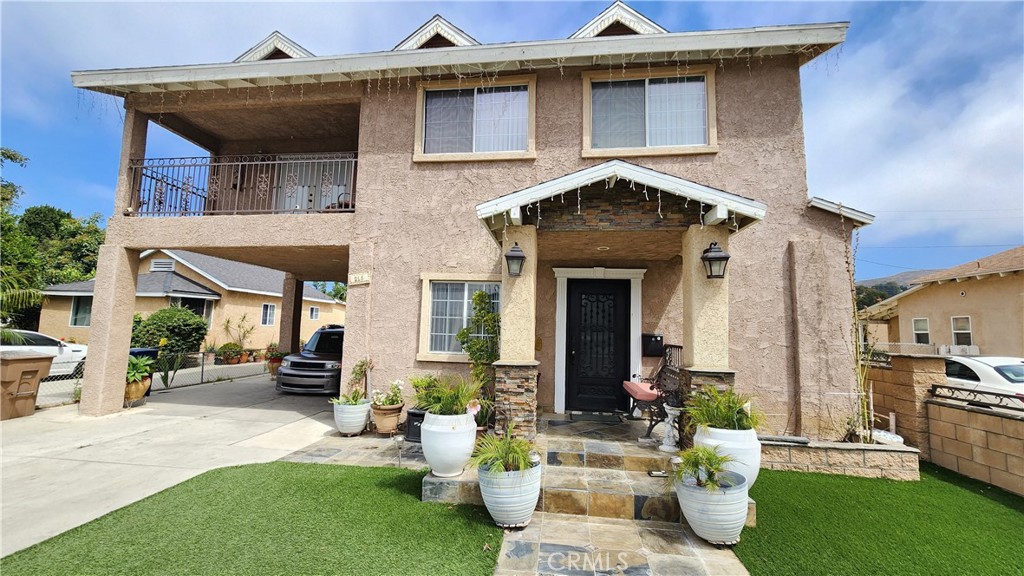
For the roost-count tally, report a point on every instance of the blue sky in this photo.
(918, 118)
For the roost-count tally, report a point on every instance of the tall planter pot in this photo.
(511, 497)
(447, 442)
(742, 445)
(135, 391)
(717, 516)
(351, 419)
(386, 418)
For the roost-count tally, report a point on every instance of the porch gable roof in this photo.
(722, 206)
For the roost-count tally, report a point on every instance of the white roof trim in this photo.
(137, 294)
(623, 14)
(861, 218)
(276, 41)
(810, 40)
(436, 26)
(747, 211)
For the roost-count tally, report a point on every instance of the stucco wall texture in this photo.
(419, 217)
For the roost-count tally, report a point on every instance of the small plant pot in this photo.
(386, 418)
(351, 419)
(742, 445)
(718, 515)
(233, 360)
(448, 442)
(413, 423)
(273, 366)
(243, 358)
(135, 391)
(511, 497)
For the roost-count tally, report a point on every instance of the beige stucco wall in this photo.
(995, 305)
(413, 218)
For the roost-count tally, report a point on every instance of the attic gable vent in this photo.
(161, 266)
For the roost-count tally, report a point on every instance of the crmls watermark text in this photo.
(598, 561)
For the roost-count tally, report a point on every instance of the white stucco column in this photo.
(291, 314)
(706, 302)
(110, 333)
(519, 298)
(133, 146)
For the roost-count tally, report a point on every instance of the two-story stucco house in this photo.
(613, 159)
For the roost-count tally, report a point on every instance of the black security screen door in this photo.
(597, 345)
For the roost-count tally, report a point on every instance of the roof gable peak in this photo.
(267, 47)
(618, 13)
(436, 26)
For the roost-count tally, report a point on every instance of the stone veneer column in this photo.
(291, 314)
(110, 332)
(705, 303)
(515, 387)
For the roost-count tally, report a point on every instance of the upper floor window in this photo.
(645, 113)
(962, 331)
(475, 120)
(921, 335)
(81, 310)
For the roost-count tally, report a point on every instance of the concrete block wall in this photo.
(865, 460)
(902, 388)
(976, 442)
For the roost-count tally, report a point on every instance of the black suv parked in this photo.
(317, 368)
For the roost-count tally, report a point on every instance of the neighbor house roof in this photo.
(858, 217)
(153, 284)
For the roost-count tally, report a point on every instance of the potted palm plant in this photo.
(387, 408)
(727, 421)
(712, 498)
(448, 432)
(137, 379)
(510, 475)
(351, 412)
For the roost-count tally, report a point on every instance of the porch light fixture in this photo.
(715, 260)
(515, 258)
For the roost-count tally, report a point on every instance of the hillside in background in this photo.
(901, 279)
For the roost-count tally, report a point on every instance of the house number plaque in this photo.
(358, 278)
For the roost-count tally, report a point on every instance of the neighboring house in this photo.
(213, 288)
(614, 159)
(974, 308)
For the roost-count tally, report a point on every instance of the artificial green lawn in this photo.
(277, 518)
(817, 524)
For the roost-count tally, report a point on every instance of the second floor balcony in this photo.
(251, 184)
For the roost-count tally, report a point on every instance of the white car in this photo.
(999, 374)
(69, 358)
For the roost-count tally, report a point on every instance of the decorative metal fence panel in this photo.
(255, 184)
(979, 398)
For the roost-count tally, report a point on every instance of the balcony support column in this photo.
(110, 334)
(133, 146)
(291, 314)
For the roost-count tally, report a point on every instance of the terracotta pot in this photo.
(233, 360)
(134, 391)
(273, 365)
(244, 358)
(386, 417)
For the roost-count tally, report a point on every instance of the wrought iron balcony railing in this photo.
(255, 184)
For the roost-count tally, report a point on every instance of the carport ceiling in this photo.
(306, 262)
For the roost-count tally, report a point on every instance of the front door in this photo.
(597, 345)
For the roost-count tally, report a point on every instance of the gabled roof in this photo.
(436, 26)
(619, 13)
(153, 284)
(270, 44)
(859, 218)
(1009, 261)
(239, 276)
(721, 205)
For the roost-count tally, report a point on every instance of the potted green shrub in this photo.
(448, 432)
(712, 498)
(351, 412)
(230, 353)
(725, 419)
(387, 408)
(510, 477)
(274, 359)
(137, 378)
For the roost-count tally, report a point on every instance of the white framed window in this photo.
(921, 334)
(81, 311)
(314, 312)
(267, 315)
(161, 265)
(645, 112)
(445, 310)
(489, 119)
(962, 330)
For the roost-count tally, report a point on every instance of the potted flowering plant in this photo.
(448, 432)
(387, 408)
(274, 359)
(351, 412)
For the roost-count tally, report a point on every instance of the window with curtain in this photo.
(649, 112)
(81, 310)
(921, 335)
(451, 306)
(483, 119)
(314, 312)
(267, 316)
(962, 331)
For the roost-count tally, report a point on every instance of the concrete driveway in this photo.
(59, 470)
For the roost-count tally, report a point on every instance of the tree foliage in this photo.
(183, 329)
(870, 295)
(481, 339)
(336, 290)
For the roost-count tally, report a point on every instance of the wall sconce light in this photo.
(515, 258)
(715, 260)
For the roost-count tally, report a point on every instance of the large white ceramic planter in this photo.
(742, 445)
(511, 497)
(716, 516)
(447, 442)
(351, 419)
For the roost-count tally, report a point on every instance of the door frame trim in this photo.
(562, 276)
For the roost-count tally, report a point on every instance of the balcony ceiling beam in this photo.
(188, 131)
